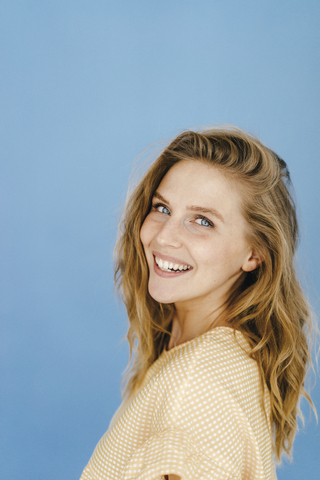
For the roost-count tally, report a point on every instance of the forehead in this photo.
(192, 182)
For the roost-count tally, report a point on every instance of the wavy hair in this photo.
(268, 306)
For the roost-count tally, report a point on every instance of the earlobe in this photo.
(252, 262)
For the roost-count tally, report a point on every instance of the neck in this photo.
(188, 323)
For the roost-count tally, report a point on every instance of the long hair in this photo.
(268, 307)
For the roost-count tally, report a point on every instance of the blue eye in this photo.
(161, 208)
(164, 210)
(204, 222)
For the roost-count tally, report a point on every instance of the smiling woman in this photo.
(213, 249)
(218, 320)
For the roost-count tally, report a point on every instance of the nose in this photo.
(170, 234)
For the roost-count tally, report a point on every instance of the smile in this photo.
(166, 266)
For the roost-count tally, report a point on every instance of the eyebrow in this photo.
(194, 208)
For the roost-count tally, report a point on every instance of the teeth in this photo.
(169, 267)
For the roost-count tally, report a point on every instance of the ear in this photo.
(253, 262)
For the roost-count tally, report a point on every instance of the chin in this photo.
(162, 296)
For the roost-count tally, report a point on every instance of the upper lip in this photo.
(170, 259)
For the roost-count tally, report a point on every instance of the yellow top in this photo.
(199, 414)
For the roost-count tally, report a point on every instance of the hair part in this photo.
(268, 306)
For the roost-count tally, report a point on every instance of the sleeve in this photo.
(202, 434)
(172, 451)
(86, 474)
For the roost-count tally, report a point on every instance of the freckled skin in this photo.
(218, 254)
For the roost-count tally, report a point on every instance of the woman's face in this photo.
(194, 237)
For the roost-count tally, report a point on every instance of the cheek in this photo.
(146, 232)
(209, 252)
(218, 255)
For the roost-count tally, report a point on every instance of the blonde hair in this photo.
(268, 307)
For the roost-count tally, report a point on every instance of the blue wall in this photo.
(85, 87)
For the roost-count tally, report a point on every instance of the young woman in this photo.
(218, 320)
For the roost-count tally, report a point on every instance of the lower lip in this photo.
(161, 273)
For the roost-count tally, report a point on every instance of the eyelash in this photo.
(198, 217)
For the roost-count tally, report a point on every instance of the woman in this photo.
(218, 320)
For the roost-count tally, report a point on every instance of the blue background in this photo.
(85, 87)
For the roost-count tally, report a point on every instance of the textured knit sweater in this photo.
(201, 413)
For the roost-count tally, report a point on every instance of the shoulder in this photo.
(223, 362)
(225, 351)
(215, 365)
(221, 350)
(218, 357)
